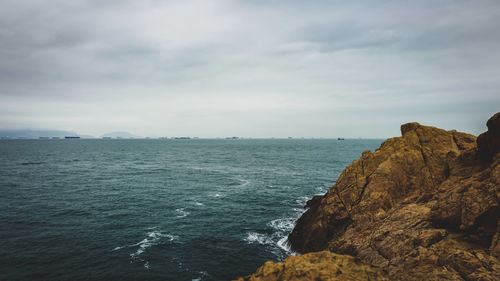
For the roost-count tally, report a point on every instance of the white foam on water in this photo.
(302, 200)
(153, 238)
(258, 238)
(199, 204)
(181, 213)
(218, 195)
(243, 182)
(283, 224)
(283, 227)
(278, 240)
(283, 244)
(322, 190)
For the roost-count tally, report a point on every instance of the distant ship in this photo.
(340, 138)
(182, 138)
(71, 137)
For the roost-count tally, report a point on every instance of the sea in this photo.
(157, 209)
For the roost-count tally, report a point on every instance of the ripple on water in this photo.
(248, 189)
(243, 182)
(218, 195)
(181, 213)
(153, 237)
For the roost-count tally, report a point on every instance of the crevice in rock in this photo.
(379, 253)
(337, 227)
(485, 226)
(363, 188)
(426, 163)
(337, 192)
(454, 141)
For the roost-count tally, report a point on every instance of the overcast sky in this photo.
(248, 68)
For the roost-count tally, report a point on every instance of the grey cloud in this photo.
(409, 27)
(183, 66)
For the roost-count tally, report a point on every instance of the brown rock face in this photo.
(325, 266)
(423, 206)
(488, 143)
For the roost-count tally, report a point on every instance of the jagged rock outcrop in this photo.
(325, 266)
(489, 142)
(423, 206)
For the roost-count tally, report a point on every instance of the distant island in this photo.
(64, 134)
(36, 134)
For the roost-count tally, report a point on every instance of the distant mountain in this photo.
(35, 134)
(125, 135)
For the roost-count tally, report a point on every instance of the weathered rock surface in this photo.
(489, 142)
(324, 266)
(423, 206)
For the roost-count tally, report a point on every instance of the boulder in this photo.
(422, 206)
(488, 143)
(325, 266)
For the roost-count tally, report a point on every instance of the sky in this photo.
(248, 68)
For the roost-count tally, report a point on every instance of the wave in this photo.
(283, 224)
(243, 182)
(181, 213)
(218, 195)
(281, 228)
(285, 246)
(322, 190)
(278, 240)
(153, 238)
(286, 225)
(302, 200)
(199, 203)
(258, 238)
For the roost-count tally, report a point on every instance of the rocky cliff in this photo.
(423, 206)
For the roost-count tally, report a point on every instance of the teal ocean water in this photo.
(156, 209)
